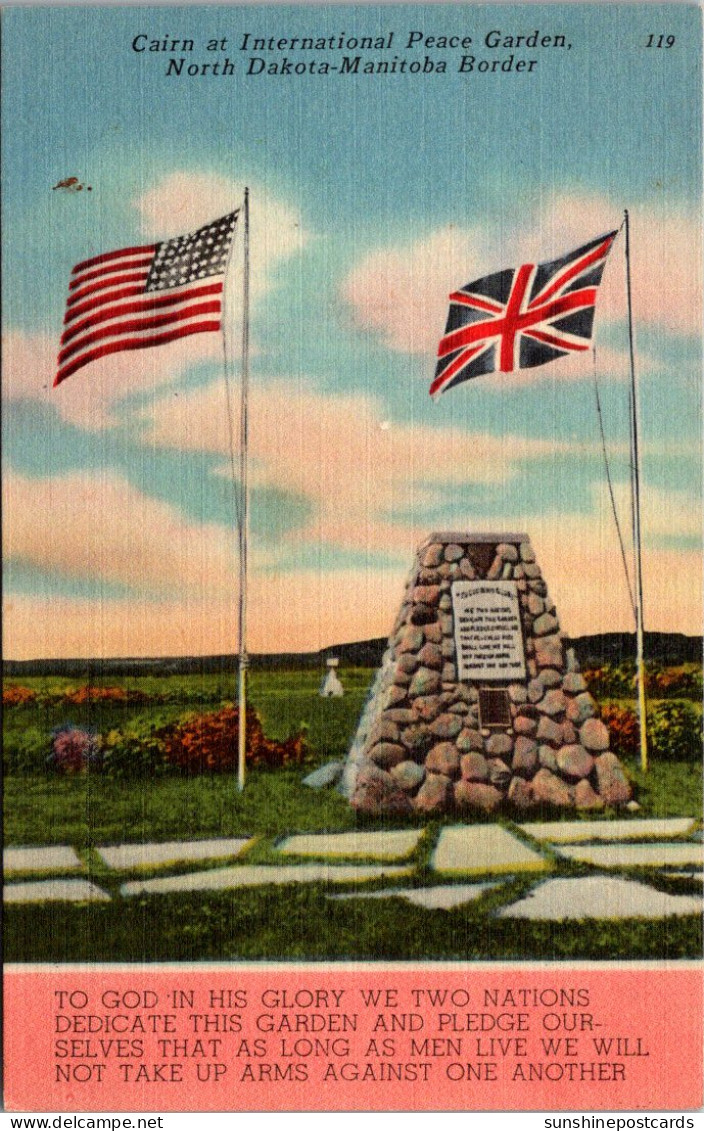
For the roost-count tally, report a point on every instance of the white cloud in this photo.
(184, 201)
(356, 468)
(664, 514)
(90, 398)
(101, 528)
(306, 610)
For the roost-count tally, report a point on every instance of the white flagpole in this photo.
(244, 514)
(635, 497)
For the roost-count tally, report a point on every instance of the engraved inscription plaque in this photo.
(488, 635)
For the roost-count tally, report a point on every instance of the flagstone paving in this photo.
(254, 875)
(635, 855)
(486, 855)
(170, 852)
(599, 897)
(40, 891)
(443, 897)
(52, 858)
(383, 845)
(572, 832)
(484, 848)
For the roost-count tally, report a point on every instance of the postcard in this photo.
(352, 630)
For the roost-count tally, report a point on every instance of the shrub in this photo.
(73, 750)
(209, 744)
(88, 694)
(130, 754)
(662, 682)
(15, 696)
(24, 751)
(623, 728)
(609, 682)
(666, 683)
(674, 731)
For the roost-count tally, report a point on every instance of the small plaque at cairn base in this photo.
(476, 704)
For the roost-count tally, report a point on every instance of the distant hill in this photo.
(606, 648)
(615, 647)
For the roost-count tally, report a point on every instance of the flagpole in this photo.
(244, 514)
(635, 500)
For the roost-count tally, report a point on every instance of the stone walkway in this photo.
(620, 866)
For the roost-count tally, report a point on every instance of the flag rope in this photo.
(609, 481)
(229, 375)
(635, 497)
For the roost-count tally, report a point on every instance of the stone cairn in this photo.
(422, 744)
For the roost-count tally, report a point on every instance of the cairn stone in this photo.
(594, 736)
(434, 794)
(523, 725)
(527, 552)
(549, 789)
(396, 696)
(548, 677)
(444, 758)
(417, 740)
(585, 797)
(469, 740)
(569, 733)
(422, 614)
(453, 553)
(553, 703)
(387, 754)
(548, 652)
(425, 682)
(376, 792)
(574, 762)
(445, 731)
(430, 656)
(433, 556)
(573, 683)
(474, 767)
(408, 776)
(446, 726)
(545, 624)
(612, 782)
(521, 793)
(407, 663)
(499, 745)
(547, 759)
(499, 773)
(525, 757)
(549, 731)
(433, 633)
(475, 796)
(410, 639)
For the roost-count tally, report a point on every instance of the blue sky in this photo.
(372, 196)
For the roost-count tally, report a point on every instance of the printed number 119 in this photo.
(660, 41)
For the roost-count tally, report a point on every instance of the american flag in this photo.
(145, 296)
(522, 317)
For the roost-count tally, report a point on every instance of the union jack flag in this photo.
(522, 317)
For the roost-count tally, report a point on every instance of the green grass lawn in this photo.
(91, 809)
(292, 923)
(302, 924)
(88, 810)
